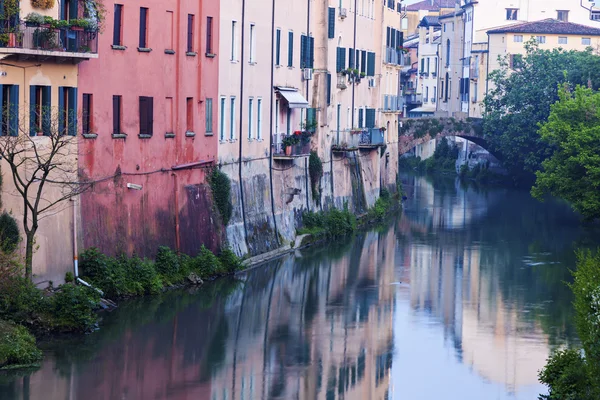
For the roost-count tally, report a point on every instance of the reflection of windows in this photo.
(586, 41)
(9, 118)
(512, 14)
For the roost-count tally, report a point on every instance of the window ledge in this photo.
(208, 134)
(118, 47)
(190, 134)
(290, 67)
(169, 135)
(144, 136)
(119, 136)
(90, 135)
(169, 51)
(191, 53)
(144, 49)
(210, 55)
(234, 61)
(252, 62)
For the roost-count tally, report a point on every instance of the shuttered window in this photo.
(360, 118)
(340, 63)
(290, 49)
(328, 88)
(190, 33)
(370, 117)
(71, 111)
(117, 37)
(357, 60)
(388, 37)
(209, 115)
(370, 64)
(311, 52)
(146, 115)
(331, 25)
(86, 113)
(363, 61)
(143, 27)
(350, 58)
(40, 110)
(307, 50)
(278, 47)
(209, 35)
(311, 119)
(116, 104)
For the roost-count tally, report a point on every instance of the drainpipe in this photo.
(307, 95)
(177, 239)
(355, 60)
(487, 68)
(271, 120)
(177, 72)
(75, 256)
(242, 63)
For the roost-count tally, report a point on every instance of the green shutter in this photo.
(311, 52)
(311, 117)
(303, 50)
(61, 111)
(13, 118)
(363, 61)
(370, 64)
(370, 117)
(341, 59)
(328, 89)
(278, 49)
(291, 49)
(360, 117)
(32, 127)
(331, 26)
(351, 59)
(46, 110)
(72, 111)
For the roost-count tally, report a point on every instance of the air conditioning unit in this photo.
(307, 74)
(343, 13)
(372, 83)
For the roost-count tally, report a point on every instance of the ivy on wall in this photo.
(220, 185)
(315, 169)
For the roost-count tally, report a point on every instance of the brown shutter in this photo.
(143, 116)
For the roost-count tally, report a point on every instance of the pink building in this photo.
(149, 122)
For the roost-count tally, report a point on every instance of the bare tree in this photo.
(41, 152)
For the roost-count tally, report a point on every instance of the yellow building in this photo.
(509, 41)
(415, 13)
(39, 53)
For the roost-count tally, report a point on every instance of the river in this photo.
(459, 297)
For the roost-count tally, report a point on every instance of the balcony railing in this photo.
(352, 140)
(393, 103)
(397, 57)
(302, 148)
(414, 99)
(34, 39)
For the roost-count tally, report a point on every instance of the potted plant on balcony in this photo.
(47, 22)
(288, 142)
(34, 19)
(78, 24)
(382, 129)
(3, 39)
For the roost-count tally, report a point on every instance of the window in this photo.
(474, 98)
(363, 62)
(422, 65)
(222, 120)
(446, 93)
(562, 40)
(331, 23)
(426, 99)
(86, 113)
(434, 94)
(67, 105)
(512, 14)
(278, 47)
(209, 115)
(307, 50)
(209, 35)
(169, 116)
(233, 41)
(40, 108)
(232, 119)
(586, 41)
(259, 119)
(117, 101)
(448, 53)
(427, 65)
(277, 116)
(9, 117)
(250, 104)
(189, 114)
(143, 44)
(170, 25)
(190, 33)
(595, 15)
(290, 49)
(562, 15)
(441, 89)
(146, 115)
(541, 39)
(118, 32)
(252, 44)
(518, 38)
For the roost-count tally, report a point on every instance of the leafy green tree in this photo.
(573, 170)
(519, 98)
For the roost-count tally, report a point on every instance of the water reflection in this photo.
(462, 297)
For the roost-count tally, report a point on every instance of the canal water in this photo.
(462, 296)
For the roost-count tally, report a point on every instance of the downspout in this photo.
(271, 121)
(177, 74)
(177, 239)
(242, 63)
(355, 61)
(487, 68)
(75, 256)
(307, 94)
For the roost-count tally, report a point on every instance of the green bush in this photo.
(229, 260)
(17, 345)
(72, 308)
(315, 168)
(206, 264)
(331, 223)
(9, 233)
(566, 376)
(69, 277)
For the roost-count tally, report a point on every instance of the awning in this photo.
(293, 98)
(422, 110)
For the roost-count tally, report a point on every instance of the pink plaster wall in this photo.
(115, 218)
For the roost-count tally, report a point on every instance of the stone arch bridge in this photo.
(415, 131)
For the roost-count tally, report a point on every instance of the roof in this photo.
(452, 14)
(548, 26)
(429, 20)
(430, 5)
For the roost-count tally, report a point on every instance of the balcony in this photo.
(44, 42)
(474, 72)
(289, 147)
(396, 57)
(393, 103)
(355, 139)
(414, 99)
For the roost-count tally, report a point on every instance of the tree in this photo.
(573, 171)
(520, 98)
(41, 153)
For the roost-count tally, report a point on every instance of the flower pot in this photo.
(12, 40)
(77, 28)
(288, 150)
